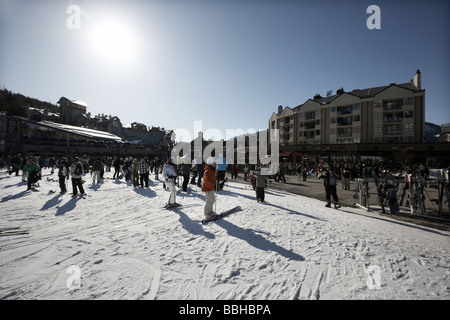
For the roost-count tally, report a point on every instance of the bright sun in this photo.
(113, 41)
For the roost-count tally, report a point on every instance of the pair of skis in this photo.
(13, 231)
(204, 221)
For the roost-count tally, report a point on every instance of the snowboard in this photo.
(221, 215)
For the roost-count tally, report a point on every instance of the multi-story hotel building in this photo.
(386, 122)
(393, 113)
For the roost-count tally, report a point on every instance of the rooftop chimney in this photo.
(280, 109)
(418, 80)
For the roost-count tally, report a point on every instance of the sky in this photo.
(219, 66)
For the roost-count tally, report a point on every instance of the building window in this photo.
(409, 127)
(332, 120)
(393, 104)
(346, 121)
(377, 129)
(344, 132)
(344, 110)
(409, 100)
(317, 132)
(317, 122)
(333, 109)
(310, 115)
(377, 116)
(357, 106)
(409, 114)
(394, 129)
(356, 118)
(377, 103)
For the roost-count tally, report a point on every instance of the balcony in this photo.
(393, 105)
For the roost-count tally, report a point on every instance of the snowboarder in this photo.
(169, 175)
(330, 182)
(208, 187)
(76, 171)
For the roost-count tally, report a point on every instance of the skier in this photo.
(260, 184)
(97, 167)
(346, 174)
(330, 182)
(221, 167)
(169, 175)
(63, 174)
(156, 164)
(16, 163)
(135, 172)
(116, 166)
(76, 171)
(144, 169)
(185, 172)
(209, 184)
(32, 169)
(201, 171)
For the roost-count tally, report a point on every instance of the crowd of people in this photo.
(209, 175)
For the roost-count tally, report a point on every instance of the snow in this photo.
(118, 243)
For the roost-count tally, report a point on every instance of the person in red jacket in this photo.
(209, 185)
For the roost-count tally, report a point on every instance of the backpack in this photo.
(78, 169)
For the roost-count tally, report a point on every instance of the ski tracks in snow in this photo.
(290, 247)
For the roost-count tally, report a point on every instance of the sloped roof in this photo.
(145, 137)
(363, 93)
(88, 133)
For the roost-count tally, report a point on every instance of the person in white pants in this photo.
(169, 175)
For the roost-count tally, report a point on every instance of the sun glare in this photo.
(113, 41)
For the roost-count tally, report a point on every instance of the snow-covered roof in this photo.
(89, 133)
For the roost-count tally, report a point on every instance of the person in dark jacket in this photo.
(260, 184)
(76, 171)
(97, 167)
(185, 172)
(330, 181)
(63, 174)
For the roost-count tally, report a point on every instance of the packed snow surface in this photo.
(119, 243)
